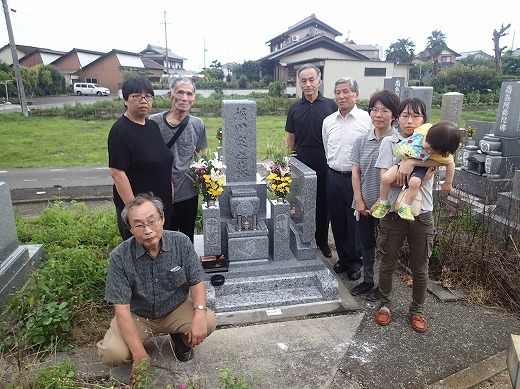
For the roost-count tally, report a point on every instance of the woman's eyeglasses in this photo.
(137, 97)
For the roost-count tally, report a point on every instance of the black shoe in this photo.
(182, 352)
(354, 275)
(325, 250)
(374, 295)
(340, 267)
(362, 288)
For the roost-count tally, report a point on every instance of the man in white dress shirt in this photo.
(340, 130)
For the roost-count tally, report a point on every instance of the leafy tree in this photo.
(511, 65)
(249, 69)
(401, 51)
(242, 82)
(275, 89)
(30, 80)
(473, 60)
(436, 44)
(50, 80)
(129, 72)
(4, 67)
(214, 72)
(266, 80)
(466, 79)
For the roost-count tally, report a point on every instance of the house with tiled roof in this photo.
(477, 54)
(163, 57)
(21, 51)
(40, 56)
(70, 63)
(313, 41)
(108, 69)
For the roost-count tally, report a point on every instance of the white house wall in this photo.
(336, 69)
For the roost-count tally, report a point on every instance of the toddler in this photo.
(437, 143)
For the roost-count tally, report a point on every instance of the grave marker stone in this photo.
(451, 108)
(425, 93)
(16, 261)
(395, 84)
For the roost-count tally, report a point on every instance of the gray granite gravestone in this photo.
(490, 166)
(451, 108)
(425, 93)
(265, 269)
(15, 261)
(395, 84)
(508, 113)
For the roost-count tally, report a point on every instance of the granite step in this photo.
(268, 299)
(239, 286)
(247, 293)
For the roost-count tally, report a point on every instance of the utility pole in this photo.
(205, 50)
(167, 71)
(16, 64)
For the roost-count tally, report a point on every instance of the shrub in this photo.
(77, 243)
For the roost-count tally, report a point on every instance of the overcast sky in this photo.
(236, 30)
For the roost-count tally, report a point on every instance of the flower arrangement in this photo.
(470, 131)
(208, 175)
(279, 177)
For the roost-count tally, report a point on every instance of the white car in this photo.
(85, 88)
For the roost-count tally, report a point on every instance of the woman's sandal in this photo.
(419, 323)
(383, 316)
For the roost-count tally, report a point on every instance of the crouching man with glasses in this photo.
(156, 283)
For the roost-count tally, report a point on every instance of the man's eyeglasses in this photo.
(406, 115)
(383, 111)
(153, 224)
(147, 97)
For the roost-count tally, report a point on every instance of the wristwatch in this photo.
(200, 308)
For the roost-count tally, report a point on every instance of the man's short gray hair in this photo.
(139, 200)
(182, 80)
(354, 86)
(309, 66)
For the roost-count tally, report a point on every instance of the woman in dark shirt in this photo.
(139, 160)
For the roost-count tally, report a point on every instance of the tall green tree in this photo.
(436, 44)
(250, 69)
(466, 79)
(401, 51)
(214, 72)
(511, 65)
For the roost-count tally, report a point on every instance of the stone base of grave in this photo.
(305, 251)
(249, 244)
(485, 188)
(513, 358)
(16, 267)
(251, 285)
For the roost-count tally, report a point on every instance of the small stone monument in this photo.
(425, 93)
(451, 108)
(395, 84)
(16, 261)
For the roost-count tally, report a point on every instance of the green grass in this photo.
(60, 141)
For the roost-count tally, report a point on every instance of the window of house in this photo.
(92, 80)
(446, 58)
(375, 72)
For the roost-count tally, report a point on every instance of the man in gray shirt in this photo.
(156, 283)
(185, 135)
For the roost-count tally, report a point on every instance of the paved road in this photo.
(53, 101)
(53, 177)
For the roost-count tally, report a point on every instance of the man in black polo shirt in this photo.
(156, 283)
(304, 122)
